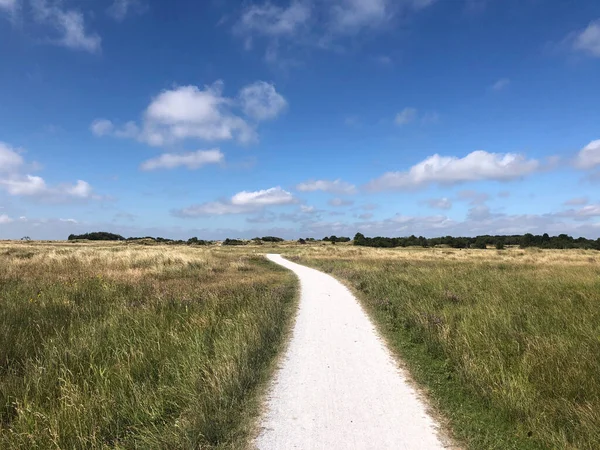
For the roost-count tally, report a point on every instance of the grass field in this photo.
(506, 343)
(130, 346)
(117, 346)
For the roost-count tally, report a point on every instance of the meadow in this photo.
(116, 345)
(131, 346)
(505, 344)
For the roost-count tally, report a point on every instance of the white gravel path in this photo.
(338, 386)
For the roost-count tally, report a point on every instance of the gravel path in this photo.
(338, 386)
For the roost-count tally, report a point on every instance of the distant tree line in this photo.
(106, 236)
(334, 239)
(97, 236)
(562, 241)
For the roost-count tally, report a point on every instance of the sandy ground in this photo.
(338, 386)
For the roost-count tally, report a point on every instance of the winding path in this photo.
(338, 386)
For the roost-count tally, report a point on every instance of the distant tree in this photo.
(301, 241)
(271, 239)
(233, 242)
(499, 245)
(479, 243)
(26, 238)
(97, 236)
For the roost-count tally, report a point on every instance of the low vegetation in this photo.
(507, 343)
(126, 346)
(527, 240)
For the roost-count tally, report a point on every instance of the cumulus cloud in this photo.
(261, 101)
(241, 203)
(272, 196)
(188, 112)
(4, 219)
(500, 84)
(588, 39)
(10, 158)
(439, 203)
(15, 181)
(191, 160)
(69, 24)
(589, 156)
(478, 165)
(335, 187)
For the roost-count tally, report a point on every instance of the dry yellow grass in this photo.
(128, 346)
(507, 342)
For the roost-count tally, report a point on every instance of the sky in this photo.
(301, 118)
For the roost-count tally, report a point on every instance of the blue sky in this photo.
(299, 118)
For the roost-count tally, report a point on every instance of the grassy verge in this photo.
(134, 347)
(507, 344)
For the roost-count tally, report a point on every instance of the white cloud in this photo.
(272, 20)
(588, 40)
(15, 181)
(241, 203)
(316, 24)
(406, 116)
(69, 24)
(188, 112)
(121, 8)
(335, 187)
(439, 203)
(339, 202)
(261, 101)
(81, 189)
(478, 165)
(24, 185)
(4, 219)
(577, 201)
(102, 127)
(589, 156)
(68, 221)
(500, 84)
(349, 15)
(34, 186)
(272, 196)
(584, 213)
(191, 160)
(10, 159)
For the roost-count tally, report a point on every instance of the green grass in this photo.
(507, 345)
(123, 347)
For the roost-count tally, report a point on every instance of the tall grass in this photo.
(133, 347)
(507, 343)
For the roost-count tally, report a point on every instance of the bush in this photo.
(271, 239)
(97, 236)
(233, 242)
